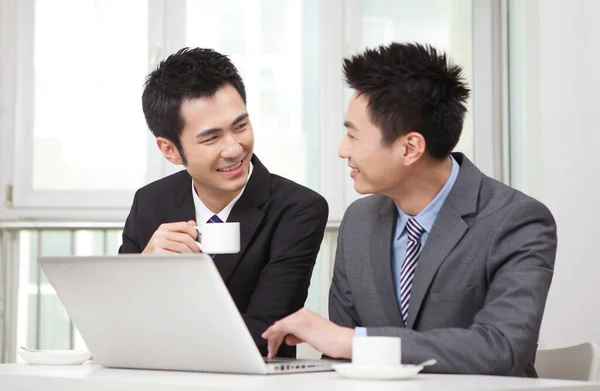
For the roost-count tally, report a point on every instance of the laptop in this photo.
(160, 312)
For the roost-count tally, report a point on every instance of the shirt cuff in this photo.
(360, 331)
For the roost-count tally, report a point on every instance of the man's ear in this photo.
(414, 146)
(169, 150)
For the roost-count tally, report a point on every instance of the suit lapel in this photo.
(448, 229)
(246, 211)
(380, 250)
(184, 202)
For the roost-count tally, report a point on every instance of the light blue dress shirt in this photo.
(425, 218)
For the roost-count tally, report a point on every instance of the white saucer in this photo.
(55, 357)
(396, 372)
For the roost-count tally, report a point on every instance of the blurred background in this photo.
(74, 145)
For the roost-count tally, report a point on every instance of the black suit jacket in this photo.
(281, 227)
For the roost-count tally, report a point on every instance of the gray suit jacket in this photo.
(480, 285)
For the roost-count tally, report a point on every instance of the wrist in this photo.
(345, 344)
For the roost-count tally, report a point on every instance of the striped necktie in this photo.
(214, 219)
(407, 272)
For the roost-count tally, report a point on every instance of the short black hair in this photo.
(411, 87)
(190, 73)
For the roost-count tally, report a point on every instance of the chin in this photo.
(361, 189)
(366, 188)
(234, 186)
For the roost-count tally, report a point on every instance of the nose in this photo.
(232, 148)
(343, 151)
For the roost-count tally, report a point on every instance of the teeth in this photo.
(233, 168)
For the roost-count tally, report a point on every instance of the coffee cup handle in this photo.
(198, 239)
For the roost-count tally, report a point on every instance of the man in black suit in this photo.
(195, 105)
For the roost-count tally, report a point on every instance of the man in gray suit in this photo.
(456, 264)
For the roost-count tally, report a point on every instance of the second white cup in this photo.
(376, 351)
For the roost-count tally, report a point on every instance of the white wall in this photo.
(557, 124)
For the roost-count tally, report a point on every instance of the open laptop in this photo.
(160, 312)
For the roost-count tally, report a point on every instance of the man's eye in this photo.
(208, 140)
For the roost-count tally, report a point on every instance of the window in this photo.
(274, 45)
(81, 142)
(80, 134)
(86, 90)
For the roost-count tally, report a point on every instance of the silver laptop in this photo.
(160, 312)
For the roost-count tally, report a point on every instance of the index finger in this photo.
(274, 342)
(267, 332)
(180, 226)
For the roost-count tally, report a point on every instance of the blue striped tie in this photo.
(407, 272)
(214, 219)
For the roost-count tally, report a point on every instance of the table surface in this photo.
(95, 377)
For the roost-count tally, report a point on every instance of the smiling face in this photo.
(217, 141)
(377, 168)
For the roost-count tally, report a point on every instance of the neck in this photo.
(424, 181)
(214, 200)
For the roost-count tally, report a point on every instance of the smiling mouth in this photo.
(231, 168)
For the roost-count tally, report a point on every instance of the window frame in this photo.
(21, 201)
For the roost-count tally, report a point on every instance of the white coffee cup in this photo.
(219, 238)
(376, 351)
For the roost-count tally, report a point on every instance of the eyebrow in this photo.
(350, 125)
(210, 131)
(239, 118)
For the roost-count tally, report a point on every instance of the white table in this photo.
(93, 377)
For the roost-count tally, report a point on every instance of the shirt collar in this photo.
(426, 218)
(203, 213)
